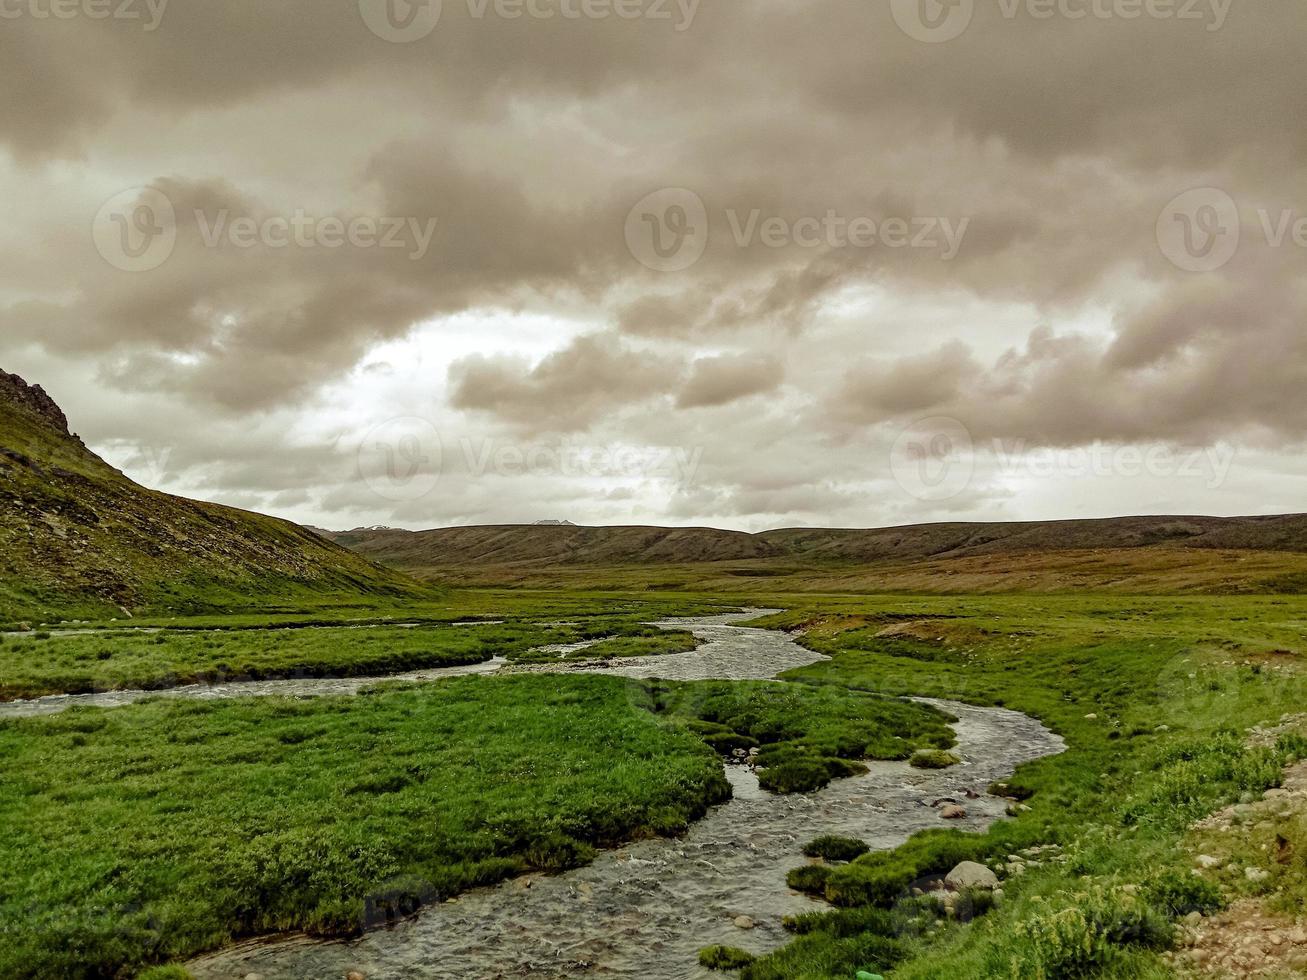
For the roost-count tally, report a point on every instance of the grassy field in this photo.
(212, 649)
(1154, 696)
(147, 833)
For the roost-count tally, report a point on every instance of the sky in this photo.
(740, 263)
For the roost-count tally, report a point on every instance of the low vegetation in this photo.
(1155, 699)
(933, 759)
(835, 848)
(804, 736)
(143, 834)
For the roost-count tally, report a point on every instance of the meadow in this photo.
(319, 814)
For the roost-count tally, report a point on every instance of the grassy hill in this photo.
(1148, 554)
(77, 537)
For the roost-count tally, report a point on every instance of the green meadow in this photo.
(140, 835)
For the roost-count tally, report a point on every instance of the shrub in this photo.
(724, 958)
(1178, 894)
(835, 848)
(933, 759)
(1085, 935)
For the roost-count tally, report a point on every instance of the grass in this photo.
(145, 834)
(805, 736)
(836, 848)
(933, 759)
(209, 650)
(1153, 695)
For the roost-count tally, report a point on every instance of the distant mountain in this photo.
(1156, 553)
(78, 535)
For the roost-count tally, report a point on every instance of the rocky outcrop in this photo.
(35, 400)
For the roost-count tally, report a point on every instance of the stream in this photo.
(646, 909)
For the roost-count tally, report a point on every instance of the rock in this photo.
(1015, 869)
(953, 812)
(1091, 717)
(1208, 863)
(1256, 874)
(1193, 918)
(354, 975)
(743, 922)
(969, 874)
(253, 976)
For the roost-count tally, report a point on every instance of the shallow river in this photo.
(646, 909)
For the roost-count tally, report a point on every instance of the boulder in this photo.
(953, 812)
(969, 874)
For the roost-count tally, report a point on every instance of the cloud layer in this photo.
(708, 267)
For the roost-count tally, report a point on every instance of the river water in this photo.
(646, 909)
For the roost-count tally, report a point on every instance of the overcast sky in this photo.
(753, 263)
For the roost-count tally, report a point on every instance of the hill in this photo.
(1258, 554)
(79, 537)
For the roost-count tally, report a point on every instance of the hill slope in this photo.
(535, 544)
(1260, 554)
(77, 535)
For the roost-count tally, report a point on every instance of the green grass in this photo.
(143, 834)
(211, 650)
(836, 848)
(1153, 697)
(1152, 694)
(933, 759)
(805, 736)
(152, 661)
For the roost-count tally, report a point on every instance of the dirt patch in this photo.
(1243, 941)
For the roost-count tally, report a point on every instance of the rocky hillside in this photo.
(76, 535)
